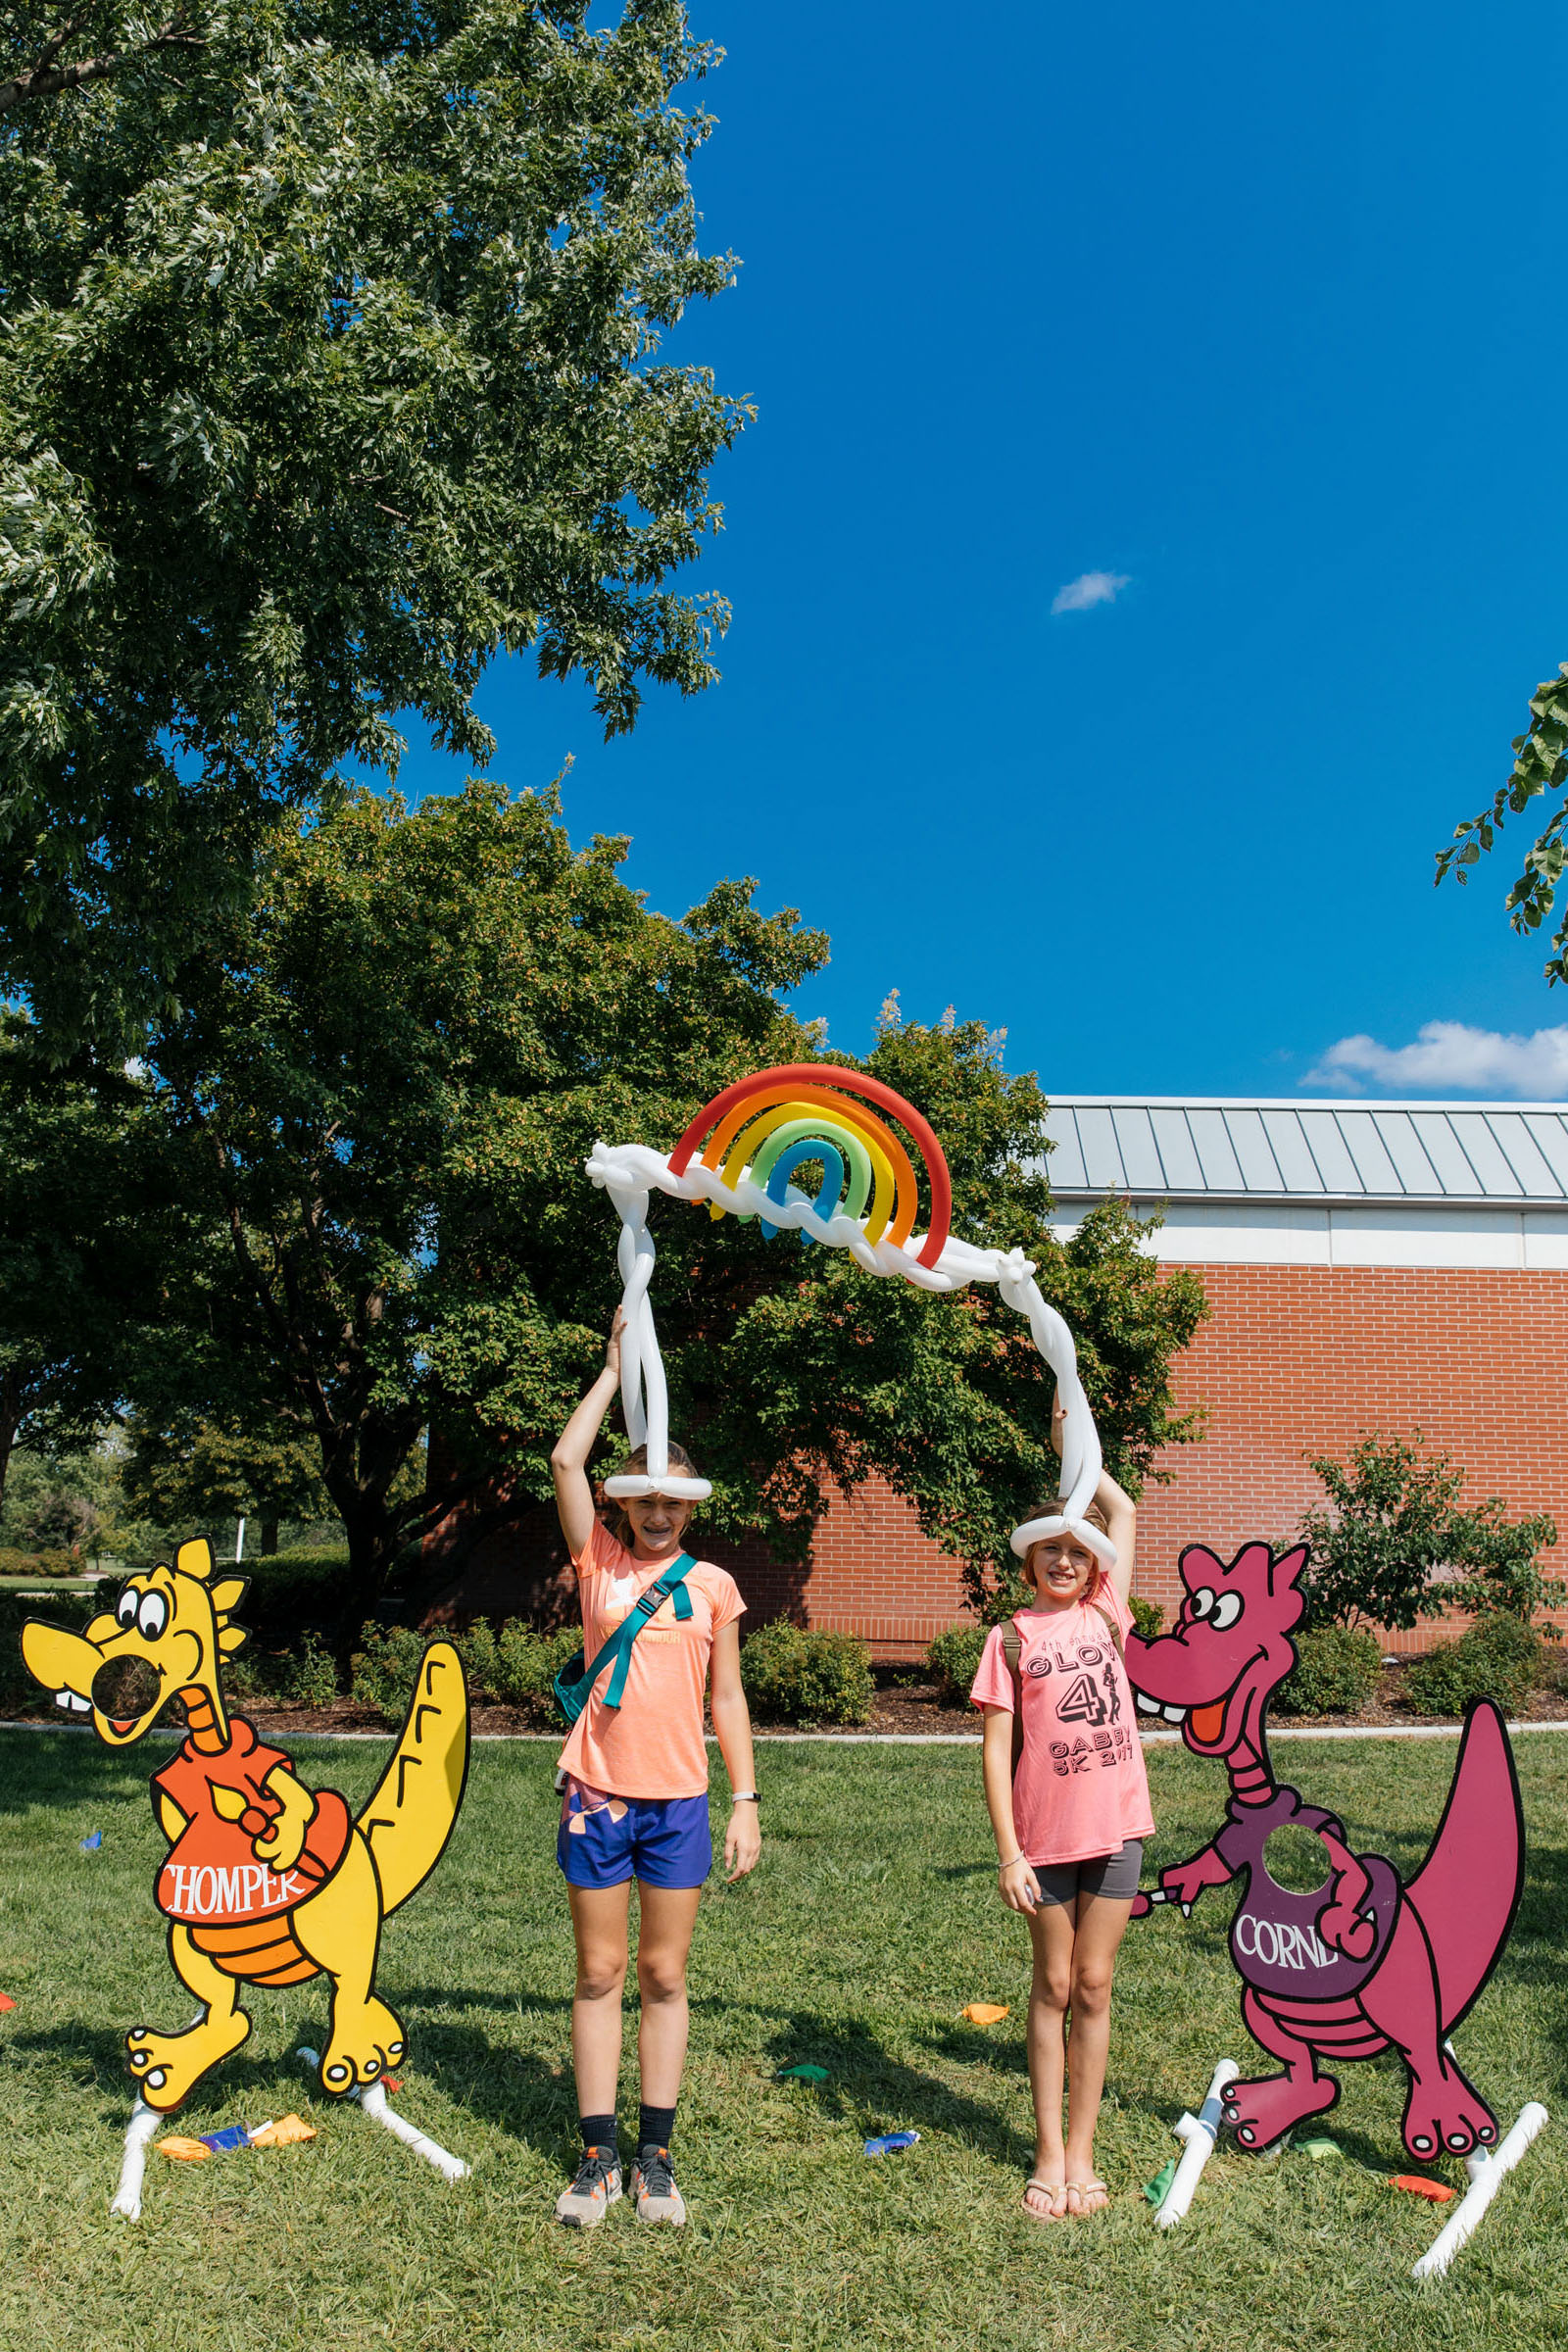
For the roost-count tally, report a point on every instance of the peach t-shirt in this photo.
(653, 1744)
(1081, 1789)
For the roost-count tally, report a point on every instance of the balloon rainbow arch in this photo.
(739, 1156)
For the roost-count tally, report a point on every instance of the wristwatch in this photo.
(744, 1796)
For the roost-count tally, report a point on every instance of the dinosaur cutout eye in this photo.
(1203, 1600)
(152, 1616)
(1227, 1609)
(125, 1608)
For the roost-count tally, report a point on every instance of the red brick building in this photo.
(1369, 1266)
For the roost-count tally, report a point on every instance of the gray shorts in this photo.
(1114, 1876)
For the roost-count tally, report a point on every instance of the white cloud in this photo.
(1449, 1058)
(1089, 588)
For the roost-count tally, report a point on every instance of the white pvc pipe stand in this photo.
(127, 2199)
(1198, 2133)
(372, 2100)
(1486, 2179)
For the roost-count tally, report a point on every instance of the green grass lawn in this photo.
(870, 1922)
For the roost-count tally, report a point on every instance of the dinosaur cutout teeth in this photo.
(1148, 1705)
(1174, 1714)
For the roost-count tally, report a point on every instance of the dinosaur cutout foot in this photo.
(1262, 2112)
(365, 2040)
(167, 2065)
(1446, 2117)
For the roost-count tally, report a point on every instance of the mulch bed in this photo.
(902, 1703)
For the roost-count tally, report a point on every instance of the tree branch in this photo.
(45, 79)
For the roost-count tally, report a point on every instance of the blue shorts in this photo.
(604, 1841)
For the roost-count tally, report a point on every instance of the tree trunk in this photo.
(9, 1422)
(269, 1538)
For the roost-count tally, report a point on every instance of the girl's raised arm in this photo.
(568, 1460)
(1118, 1506)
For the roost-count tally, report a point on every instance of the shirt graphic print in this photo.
(1081, 1790)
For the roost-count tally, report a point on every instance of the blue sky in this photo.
(1256, 313)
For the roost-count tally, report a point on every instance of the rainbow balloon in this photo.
(768, 1126)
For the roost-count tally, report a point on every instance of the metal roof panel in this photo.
(1298, 1170)
(1329, 1149)
(1139, 1156)
(1097, 1134)
(1365, 1145)
(1216, 1156)
(1250, 1145)
(1480, 1147)
(1177, 1152)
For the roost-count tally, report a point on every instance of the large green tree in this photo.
(1539, 766)
(328, 370)
(85, 1236)
(380, 1102)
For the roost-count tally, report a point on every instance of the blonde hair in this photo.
(679, 1463)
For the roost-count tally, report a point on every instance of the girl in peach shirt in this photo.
(635, 1804)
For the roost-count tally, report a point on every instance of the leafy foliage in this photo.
(1336, 1672)
(1395, 1542)
(192, 1471)
(1497, 1657)
(952, 1659)
(514, 1668)
(1540, 765)
(808, 1679)
(329, 369)
(85, 1236)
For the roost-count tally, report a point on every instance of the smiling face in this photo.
(1062, 1569)
(657, 1524)
(165, 1634)
(1228, 1649)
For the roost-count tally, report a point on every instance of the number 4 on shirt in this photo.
(1082, 1704)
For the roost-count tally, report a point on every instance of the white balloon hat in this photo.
(738, 1155)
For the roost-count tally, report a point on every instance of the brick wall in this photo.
(1294, 1359)
(1300, 1359)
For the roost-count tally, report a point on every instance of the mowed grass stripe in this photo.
(871, 1924)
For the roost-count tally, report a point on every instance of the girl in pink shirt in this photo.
(635, 1802)
(1070, 1826)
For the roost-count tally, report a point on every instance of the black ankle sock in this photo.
(599, 2131)
(655, 2127)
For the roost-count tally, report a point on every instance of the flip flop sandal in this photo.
(1054, 2190)
(1088, 2189)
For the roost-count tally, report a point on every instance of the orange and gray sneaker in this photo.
(585, 2205)
(653, 2184)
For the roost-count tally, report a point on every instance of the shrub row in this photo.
(791, 1675)
(1497, 1657)
(806, 1679)
(515, 1667)
(1335, 1673)
(41, 1563)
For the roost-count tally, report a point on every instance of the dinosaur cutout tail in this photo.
(1467, 1891)
(409, 1819)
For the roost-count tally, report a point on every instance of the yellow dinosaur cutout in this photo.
(265, 1882)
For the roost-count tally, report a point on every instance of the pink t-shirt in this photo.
(1081, 1789)
(653, 1743)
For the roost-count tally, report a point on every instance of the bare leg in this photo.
(599, 1920)
(1051, 1933)
(664, 1938)
(1100, 1924)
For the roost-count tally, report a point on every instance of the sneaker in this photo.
(585, 2205)
(653, 2184)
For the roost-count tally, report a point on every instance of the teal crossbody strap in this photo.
(616, 1651)
(626, 1633)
